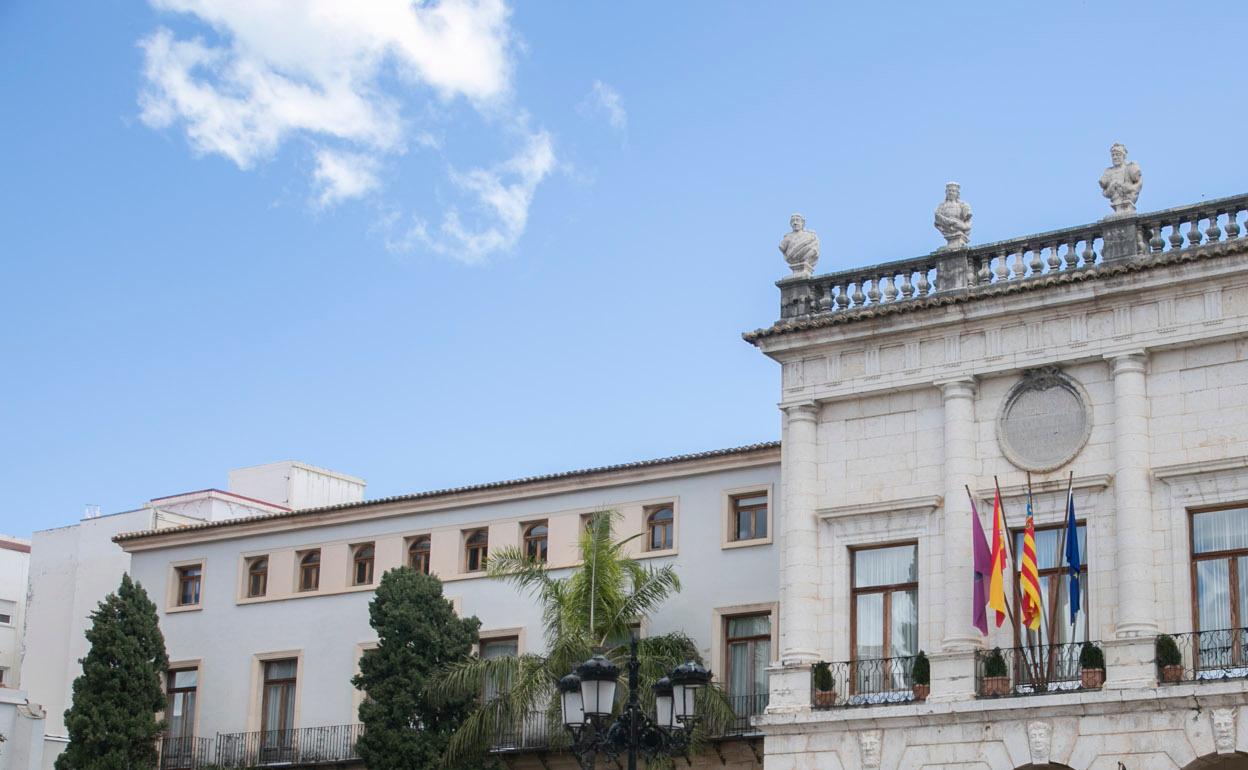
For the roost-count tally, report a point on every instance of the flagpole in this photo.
(1009, 546)
(1044, 632)
(1061, 555)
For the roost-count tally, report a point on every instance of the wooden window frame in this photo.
(887, 590)
(184, 580)
(653, 510)
(541, 542)
(482, 551)
(1052, 574)
(735, 510)
(171, 692)
(426, 555)
(304, 568)
(253, 573)
(363, 557)
(1232, 556)
(751, 640)
(265, 682)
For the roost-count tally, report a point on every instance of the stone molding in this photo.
(1184, 471)
(1093, 483)
(926, 504)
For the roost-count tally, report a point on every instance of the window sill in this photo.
(746, 543)
(464, 576)
(656, 554)
(184, 608)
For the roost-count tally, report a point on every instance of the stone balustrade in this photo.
(1069, 250)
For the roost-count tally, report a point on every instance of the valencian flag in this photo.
(1073, 560)
(982, 570)
(1029, 575)
(996, 576)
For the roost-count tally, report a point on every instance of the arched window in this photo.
(362, 565)
(257, 576)
(659, 526)
(418, 554)
(310, 571)
(476, 549)
(536, 536)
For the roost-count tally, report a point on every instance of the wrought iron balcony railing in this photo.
(185, 753)
(529, 733)
(297, 746)
(1036, 670)
(868, 682)
(1204, 656)
(745, 706)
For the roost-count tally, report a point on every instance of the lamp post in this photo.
(587, 697)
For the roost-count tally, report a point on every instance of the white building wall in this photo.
(296, 485)
(14, 566)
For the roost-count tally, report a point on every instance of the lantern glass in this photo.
(597, 696)
(663, 707)
(682, 701)
(573, 709)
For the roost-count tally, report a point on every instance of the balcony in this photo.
(300, 746)
(1035, 670)
(1203, 656)
(867, 682)
(185, 753)
(745, 707)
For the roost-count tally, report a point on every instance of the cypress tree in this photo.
(112, 723)
(418, 633)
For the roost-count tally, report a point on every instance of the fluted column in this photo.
(1133, 509)
(799, 557)
(961, 468)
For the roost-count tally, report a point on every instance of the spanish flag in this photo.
(996, 578)
(1029, 574)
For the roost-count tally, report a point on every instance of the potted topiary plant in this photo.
(921, 674)
(1169, 659)
(996, 679)
(1091, 666)
(825, 688)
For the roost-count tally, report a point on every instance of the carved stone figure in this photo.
(953, 218)
(869, 745)
(1039, 739)
(800, 247)
(1224, 730)
(1121, 182)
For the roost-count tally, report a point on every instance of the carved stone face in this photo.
(869, 743)
(1224, 729)
(1038, 741)
(1118, 154)
(797, 222)
(952, 191)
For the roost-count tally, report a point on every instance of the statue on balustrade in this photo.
(953, 218)
(800, 247)
(1121, 182)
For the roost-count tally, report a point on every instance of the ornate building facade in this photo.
(1109, 358)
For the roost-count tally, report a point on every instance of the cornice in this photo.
(926, 504)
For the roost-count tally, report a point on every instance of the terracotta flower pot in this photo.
(995, 685)
(825, 698)
(921, 691)
(1092, 678)
(1171, 674)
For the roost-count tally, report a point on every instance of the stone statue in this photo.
(800, 247)
(1121, 182)
(1039, 736)
(953, 219)
(869, 745)
(1224, 730)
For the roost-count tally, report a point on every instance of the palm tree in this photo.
(594, 608)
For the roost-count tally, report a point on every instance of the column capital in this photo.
(957, 387)
(802, 410)
(1127, 361)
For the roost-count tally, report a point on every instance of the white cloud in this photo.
(503, 193)
(604, 99)
(344, 175)
(336, 73)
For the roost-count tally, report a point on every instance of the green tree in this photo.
(595, 607)
(418, 633)
(112, 723)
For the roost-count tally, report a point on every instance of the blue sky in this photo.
(479, 241)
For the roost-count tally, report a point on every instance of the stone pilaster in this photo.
(799, 555)
(961, 468)
(1133, 509)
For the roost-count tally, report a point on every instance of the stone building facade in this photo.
(1111, 358)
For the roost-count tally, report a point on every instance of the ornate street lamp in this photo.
(587, 697)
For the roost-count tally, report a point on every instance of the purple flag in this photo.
(983, 566)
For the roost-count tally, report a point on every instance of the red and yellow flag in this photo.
(1029, 575)
(996, 577)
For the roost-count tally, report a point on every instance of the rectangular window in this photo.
(476, 549)
(498, 647)
(1220, 586)
(362, 557)
(188, 584)
(747, 651)
(257, 576)
(277, 710)
(660, 527)
(180, 712)
(749, 516)
(885, 616)
(1055, 626)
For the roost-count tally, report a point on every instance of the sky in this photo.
(454, 242)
